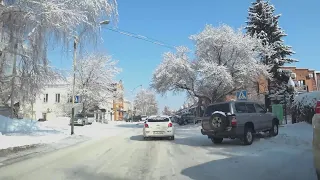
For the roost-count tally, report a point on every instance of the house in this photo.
(304, 79)
(54, 101)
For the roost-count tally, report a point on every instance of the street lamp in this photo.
(75, 43)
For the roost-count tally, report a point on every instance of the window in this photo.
(45, 98)
(158, 120)
(241, 107)
(250, 108)
(57, 98)
(260, 109)
(69, 98)
(224, 107)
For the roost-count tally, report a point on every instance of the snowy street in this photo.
(126, 155)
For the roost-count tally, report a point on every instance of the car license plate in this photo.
(158, 132)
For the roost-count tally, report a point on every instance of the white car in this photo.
(158, 126)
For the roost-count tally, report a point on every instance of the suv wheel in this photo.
(248, 136)
(217, 140)
(275, 129)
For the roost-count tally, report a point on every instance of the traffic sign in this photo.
(76, 99)
(242, 95)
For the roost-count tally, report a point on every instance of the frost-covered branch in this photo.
(145, 103)
(95, 79)
(226, 60)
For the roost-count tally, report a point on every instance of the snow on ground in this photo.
(22, 132)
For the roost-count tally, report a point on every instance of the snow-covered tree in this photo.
(95, 79)
(264, 23)
(37, 23)
(145, 103)
(167, 111)
(226, 61)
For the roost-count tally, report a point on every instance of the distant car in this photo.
(237, 119)
(144, 117)
(158, 126)
(91, 118)
(79, 119)
(316, 138)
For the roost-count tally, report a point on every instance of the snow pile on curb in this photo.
(24, 132)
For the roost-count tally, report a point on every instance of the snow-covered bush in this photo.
(303, 106)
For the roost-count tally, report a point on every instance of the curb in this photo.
(11, 150)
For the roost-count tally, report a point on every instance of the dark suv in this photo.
(237, 119)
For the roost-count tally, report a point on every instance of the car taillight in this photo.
(233, 121)
(170, 125)
(146, 125)
(318, 108)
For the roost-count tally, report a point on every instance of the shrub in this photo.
(303, 106)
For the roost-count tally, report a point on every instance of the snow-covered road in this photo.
(127, 156)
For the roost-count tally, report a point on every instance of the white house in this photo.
(54, 101)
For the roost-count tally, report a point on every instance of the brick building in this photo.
(305, 79)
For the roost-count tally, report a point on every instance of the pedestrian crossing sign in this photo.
(242, 95)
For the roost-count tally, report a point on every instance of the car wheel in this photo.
(217, 140)
(83, 123)
(275, 129)
(248, 136)
(171, 137)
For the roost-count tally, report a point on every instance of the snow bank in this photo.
(307, 99)
(22, 132)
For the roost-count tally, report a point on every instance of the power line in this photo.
(137, 36)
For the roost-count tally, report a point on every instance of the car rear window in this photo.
(79, 116)
(224, 107)
(158, 120)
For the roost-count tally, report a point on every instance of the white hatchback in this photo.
(158, 126)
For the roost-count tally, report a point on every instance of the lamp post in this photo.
(132, 104)
(75, 43)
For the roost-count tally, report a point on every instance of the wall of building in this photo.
(118, 102)
(318, 80)
(304, 80)
(54, 101)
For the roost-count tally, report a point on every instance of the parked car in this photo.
(91, 118)
(144, 117)
(158, 126)
(237, 119)
(316, 138)
(79, 119)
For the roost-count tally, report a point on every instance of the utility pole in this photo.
(75, 42)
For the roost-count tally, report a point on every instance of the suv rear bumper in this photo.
(232, 132)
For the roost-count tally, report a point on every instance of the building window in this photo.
(69, 98)
(45, 98)
(57, 98)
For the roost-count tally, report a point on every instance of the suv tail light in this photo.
(170, 125)
(317, 110)
(233, 121)
(146, 125)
